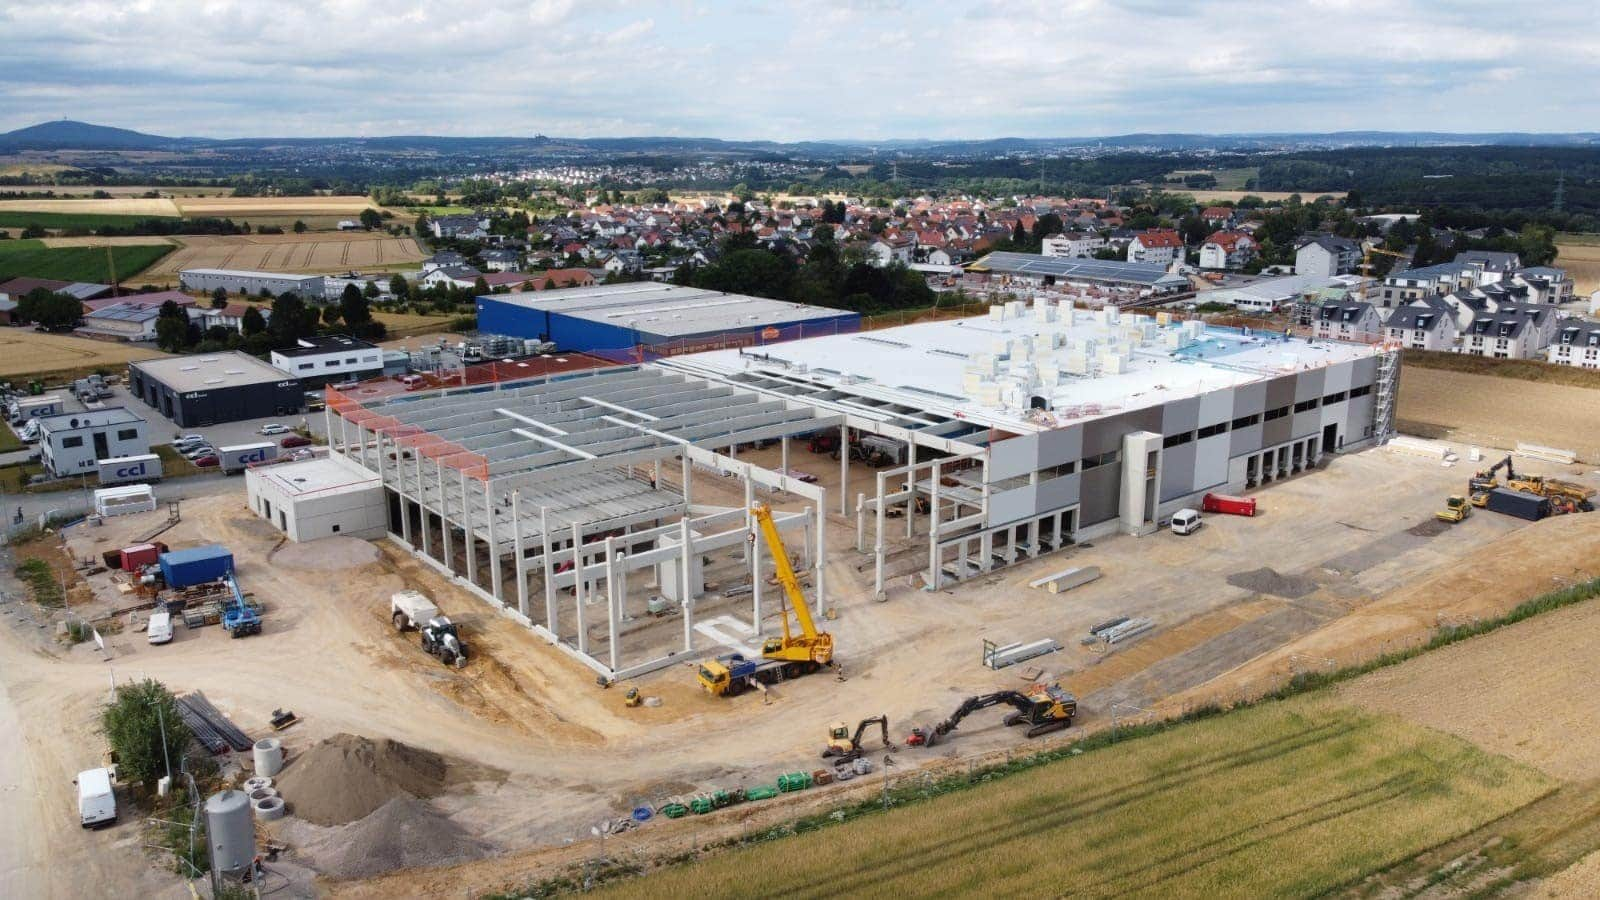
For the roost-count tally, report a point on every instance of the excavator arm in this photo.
(883, 724)
(983, 701)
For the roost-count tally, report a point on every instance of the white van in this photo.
(97, 805)
(160, 629)
(1186, 521)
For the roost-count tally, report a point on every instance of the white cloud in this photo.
(795, 69)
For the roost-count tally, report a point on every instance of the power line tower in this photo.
(1561, 191)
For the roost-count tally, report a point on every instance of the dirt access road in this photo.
(1498, 412)
(575, 756)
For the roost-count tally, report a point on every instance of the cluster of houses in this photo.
(110, 314)
(1483, 303)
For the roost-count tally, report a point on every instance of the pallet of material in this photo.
(1126, 630)
(1011, 654)
(1547, 454)
(1418, 447)
(1067, 579)
(210, 727)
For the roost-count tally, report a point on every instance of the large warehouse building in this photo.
(245, 281)
(998, 439)
(1035, 270)
(623, 321)
(223, 387)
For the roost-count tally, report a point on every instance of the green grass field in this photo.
(15, 219)
(33, 259)
(1294, 798)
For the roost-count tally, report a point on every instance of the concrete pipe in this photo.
(269, 809)
(257, 783)
(263, 794)
(269, 756)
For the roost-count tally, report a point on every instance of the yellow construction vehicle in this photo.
(632, 698)
(1043, 708)
(1456, 509)
(1486, 480)
(1479, 499)
(845, 746)
(786, 657)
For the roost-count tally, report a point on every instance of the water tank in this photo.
(231, 830)
(268, 756)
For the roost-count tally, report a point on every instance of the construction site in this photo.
(499, 617)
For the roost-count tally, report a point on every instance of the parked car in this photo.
(274, 428)
(188, 439)
(197, 452)
(295, 440)
(206, 462)
(1186, 521)
(300, 454)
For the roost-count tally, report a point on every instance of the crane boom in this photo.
(810, 644)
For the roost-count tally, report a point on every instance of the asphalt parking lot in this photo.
(163, 430)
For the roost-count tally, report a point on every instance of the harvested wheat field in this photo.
(1581, 259)
(235, 207)
(1524, 691)
(1498, 412)
(27, 352)
(123, 206)
(315, 253)
(1287, 799)
(135, 240)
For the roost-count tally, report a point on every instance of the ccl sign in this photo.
(136, 470)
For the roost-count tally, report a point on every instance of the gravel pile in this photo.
(1267, 580)
(400, 834)
(347, 777)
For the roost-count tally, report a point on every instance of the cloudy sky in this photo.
(810, 69)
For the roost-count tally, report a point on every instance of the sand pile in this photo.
(400, 834)
(348, 776)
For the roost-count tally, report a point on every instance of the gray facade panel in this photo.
(1280, 392)
(1276, 431)
(1105, 435)
(1177, 471)
(1244, 440)
(1062, 445)
(1013, 457)
(1058, 492)
(1180, 416)
(1309, 384)
(1010, 506)
(1249, 399)
(1306, 424)
(1100, 494)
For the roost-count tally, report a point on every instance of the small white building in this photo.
(1326, 254)
(1073, 244)
(1422, 327)
(1158, 246)
(1227, 250)
(73, 443)
(1349, 321)
(1577, 344)
(322, 359)
(318, 498)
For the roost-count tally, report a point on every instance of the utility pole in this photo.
(1561, 191)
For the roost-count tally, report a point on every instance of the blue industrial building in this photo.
(629, 321)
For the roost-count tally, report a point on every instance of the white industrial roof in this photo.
(928, 366)
(322, 476)
(211, 371)
(666, 309)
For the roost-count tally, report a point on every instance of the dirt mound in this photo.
(348, 776)
(327, 554)
(1429, 528)
(1267, 580)
(401, 834)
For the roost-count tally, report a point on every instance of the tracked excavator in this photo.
(846, 746)
(1044, 708)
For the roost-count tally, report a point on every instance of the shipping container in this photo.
(1233, 506)
(36, 407)
(197, 565)
(1516, 503)
(123, 469)
(131, 559)
(240, 456)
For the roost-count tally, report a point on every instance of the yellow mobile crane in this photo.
(786, 657)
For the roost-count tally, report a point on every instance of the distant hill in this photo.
(65, 134)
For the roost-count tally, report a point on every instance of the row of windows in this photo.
(1176, 440)
(123, 434)
(1104, 459)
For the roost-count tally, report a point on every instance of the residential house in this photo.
(466, 228)
(1545, 284)
(1509, 336)
(510, 281)
(949, 256)
(890, 249)
(1487, 266)
(1348, 321)
(1227, 250)
(230, 316)
(454, 276)
(1218, 216)
(441, 259)
(1073, 244)
(1400, 288)
(625, 262)
(1422, 327)
(501, 260)
(1326, 254)
(122, 321)
(1157, 246)
(1577, 344)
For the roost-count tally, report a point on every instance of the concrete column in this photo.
(614, 591)
(377, 437)
(821, 556)
(444, 521)
(688, 478)
(749, 518)
(521, 560)
(861, 522)
(327, 423)
(755, 582)
(498, 592)
(577, 586)
(877, 541)
(468, 533)
(686, 556)
(344, 435)
(655, 477)
(783, 454)
(550, 622)
(911, 501)
(844, 469)
(933, 527)
(405, 513)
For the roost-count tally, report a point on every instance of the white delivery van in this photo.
(97, 805)
(1186, 521)
(160, 629)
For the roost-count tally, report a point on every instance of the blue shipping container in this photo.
(196, 565)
